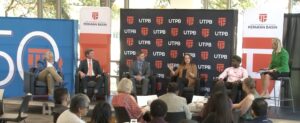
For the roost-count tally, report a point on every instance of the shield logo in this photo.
(145, 51)
(190, 21)
(204, 76)
(144, 31)
(129, 41)
(34, 55)
(158, 64)
(130, 20)
(159, 20)
(129, 62)
(204, 55)
(95, 15)
(220, 67)
(205, 32)
(173, 54)
(221, 21)
(263, 17)
(159, 42)
(174, 32)
(221, 44)
(189, 43)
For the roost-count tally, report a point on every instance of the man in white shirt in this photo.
(79, 107)
(174, 102)
(235, 76)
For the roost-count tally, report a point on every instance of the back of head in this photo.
(125, 85)
(101, 113)
(219, 87)
(158, 108)
(260, 107)
(60, 94)
(79, 101)
(222, 107)
(172, 87)
(250, 83)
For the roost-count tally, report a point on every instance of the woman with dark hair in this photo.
(245, 105)
(101, 113)
(218, 107)
(186, 72)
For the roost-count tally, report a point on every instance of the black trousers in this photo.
(182, 82)
(236, 94)
(85, 80)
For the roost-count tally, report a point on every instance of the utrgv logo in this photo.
(129, 41)
(204, 55)
(158, 64)
(174, 31)
(130, 20)
(205, 32)
(95, 15)
(221, 21)
(263, 17)
(221, 44)
(190, 21)
(144, 31)
(159, 42)
(173, 54)
(189, 43)
(159, 20)
(220, 67)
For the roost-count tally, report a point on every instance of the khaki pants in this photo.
(50, 76)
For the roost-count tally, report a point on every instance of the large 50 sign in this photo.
(19, 54)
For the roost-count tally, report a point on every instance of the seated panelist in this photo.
(49, 72)
(186, 72)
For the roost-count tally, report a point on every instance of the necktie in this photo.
(90, 68)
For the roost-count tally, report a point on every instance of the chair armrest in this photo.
(77, 83)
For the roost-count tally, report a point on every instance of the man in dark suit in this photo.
(90, 70)
(139, 72)
(48, 71)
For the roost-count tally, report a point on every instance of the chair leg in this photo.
(292, 97)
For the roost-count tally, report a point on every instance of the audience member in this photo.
(174, 102)
(186, 72)
(279, 66)
(79, 107)
(124, 99)
(245, 104)
(235, 76)
(101, 113)
(61, 102)
(259, 111)
(218, 107)
(158, 111)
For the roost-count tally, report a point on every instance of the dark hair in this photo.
(259, 107)
(219, 103)
(186, 54)
(172, 87)
(87, 51)
(237, 58)
(138, 53)
(79, 101)
(59, 95)
(101, 113)
(158, 108)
